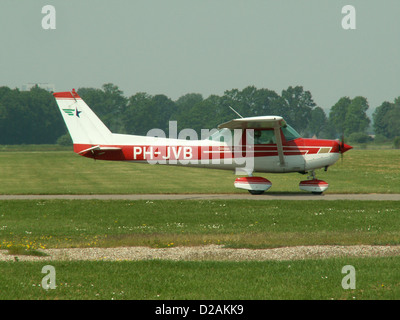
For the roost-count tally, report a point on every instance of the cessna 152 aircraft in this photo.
(246, 145)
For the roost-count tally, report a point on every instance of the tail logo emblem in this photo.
(72, 112)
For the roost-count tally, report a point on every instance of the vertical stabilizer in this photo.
(82, 123)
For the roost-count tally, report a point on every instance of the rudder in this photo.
(82, 123)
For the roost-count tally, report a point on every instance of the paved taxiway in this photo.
(236, 196)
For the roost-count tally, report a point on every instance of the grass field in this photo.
(207, 280)
(32, 225)
(238, 223)
(27, 226)
(63, 172)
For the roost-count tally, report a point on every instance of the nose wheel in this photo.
(313, 184)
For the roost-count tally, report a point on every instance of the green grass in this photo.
(21, 249)
(63, 172)
(206, 280)
(26, 227)
(162, 223)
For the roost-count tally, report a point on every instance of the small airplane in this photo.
(253, 144)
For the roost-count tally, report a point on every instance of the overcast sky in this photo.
(174, 47)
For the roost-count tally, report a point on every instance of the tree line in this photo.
(32, 117)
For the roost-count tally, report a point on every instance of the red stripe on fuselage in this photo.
(149, 152)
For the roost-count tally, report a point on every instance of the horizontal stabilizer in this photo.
(103, 153)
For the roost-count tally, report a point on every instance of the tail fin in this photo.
(82, 123)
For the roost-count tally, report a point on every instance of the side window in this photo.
(223, 135)
(264, 137)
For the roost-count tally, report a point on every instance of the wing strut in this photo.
(279, 146)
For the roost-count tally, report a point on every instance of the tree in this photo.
(356, 116)
(317, 122)
(3, 123)
(30, 117)
(381, 119)
(348, 116)
(184, 105)
(337, 115)
(108, 103)
(387, 119)
(359, 137)
(65, 140)
(207, 114)
(241, 101)
(45, 124)
(251, 101)
(299, 106)
(393, 127)
(145, 112)
(13, 116)
(136, 114)
(396, 142)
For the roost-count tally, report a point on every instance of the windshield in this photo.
(290, 133)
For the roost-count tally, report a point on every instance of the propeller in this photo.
(343, 147)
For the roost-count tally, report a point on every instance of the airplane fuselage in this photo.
(246, 145)
(301, 155)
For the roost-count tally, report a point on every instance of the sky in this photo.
(175, 47)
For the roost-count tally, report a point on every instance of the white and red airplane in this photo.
(247, 145)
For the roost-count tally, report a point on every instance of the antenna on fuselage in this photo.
(235, 111)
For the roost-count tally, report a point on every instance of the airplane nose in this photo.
(341, 146)
(345, 147)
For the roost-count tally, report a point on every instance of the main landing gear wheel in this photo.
(314, 185)
(255, 192)
(255, 185)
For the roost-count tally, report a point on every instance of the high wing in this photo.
(263, 122)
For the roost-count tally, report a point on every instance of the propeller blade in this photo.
(342, 147)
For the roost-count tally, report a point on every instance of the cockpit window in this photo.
(264, 137)
(290, 133)
(267, 136)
